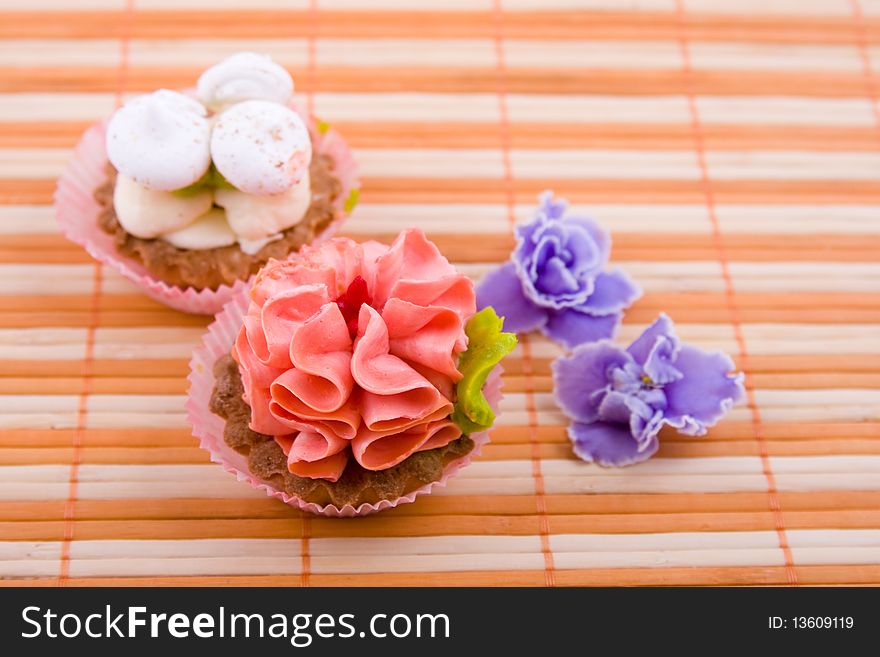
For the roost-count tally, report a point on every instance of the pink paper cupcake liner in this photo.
(77, 213)
(208, 427)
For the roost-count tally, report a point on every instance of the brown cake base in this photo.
(209, 268)
(356, 485)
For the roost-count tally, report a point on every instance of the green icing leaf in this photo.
(352, 199)
(217, 180)
(195, 187)
(487, 345)
(211, 178)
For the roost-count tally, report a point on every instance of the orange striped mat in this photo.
(733, 148)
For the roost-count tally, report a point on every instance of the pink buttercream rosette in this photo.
(77, 211)
(335, 380)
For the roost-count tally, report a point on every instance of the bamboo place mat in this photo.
(733, 148)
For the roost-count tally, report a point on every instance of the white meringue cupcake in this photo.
(203, 187)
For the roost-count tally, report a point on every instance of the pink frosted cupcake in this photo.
(352, 378)
(189, 194)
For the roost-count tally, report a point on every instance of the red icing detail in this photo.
(350, 303)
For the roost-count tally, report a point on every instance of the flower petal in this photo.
(252, 368)
(620, 408)
(642, 346)
(581, 379)
(262, 419)
(393, 395)
(556, 279)
(440, 434)
(502, 289)
(330, 468)
(286, 407)
(455, 292)
(609, 445)
(343, 257)
(321, 350)
(282, 275)
(412, 257)
(613, 291)
(557, 265)
(387, 414)
(426, 336)
(373, 367)
(659, 367)
(378, 451)
(572, 328)
(598, 235)
(706, 391)
(280, 317)
(313, 445)
(646, 428)
(551, 207)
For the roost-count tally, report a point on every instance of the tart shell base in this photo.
(77, 213)
(209, 427)
(356, 486)
(211, 268)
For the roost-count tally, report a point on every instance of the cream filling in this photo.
(210, 231)
(193, 222)
(253, 246)
(149, 213)
(257, 217)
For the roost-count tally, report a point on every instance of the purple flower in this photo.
(555, 280)
(619, 399)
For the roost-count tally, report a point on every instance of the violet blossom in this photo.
(556, 279)
(619, 399)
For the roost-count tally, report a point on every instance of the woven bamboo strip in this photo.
(628, 247)
(562, 136)
(446, 505)
(192, 454)
(447, 24)
(513, 383)
(770, 364)
(466, 79)
(488, 525)
(702, 315)
(729, 576)
(391, 190)
(551, 109)
(645, 254)
(650, 300)
(501, 435)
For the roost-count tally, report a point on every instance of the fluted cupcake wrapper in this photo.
(208, 427)
(77, 213)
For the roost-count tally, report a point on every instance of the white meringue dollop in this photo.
(244, 76)
(167, 141)
(260, 147)
(161, 140)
